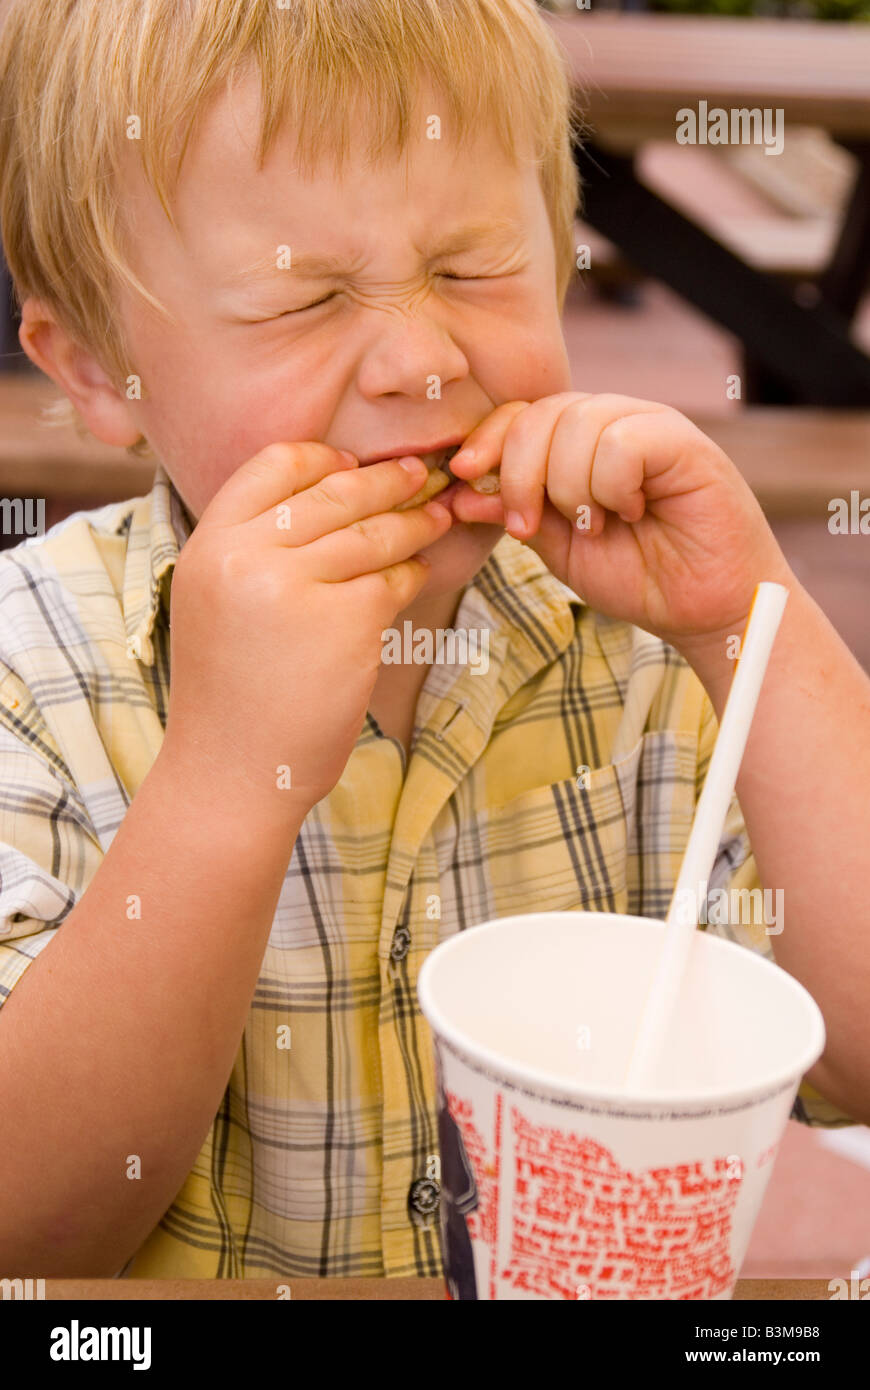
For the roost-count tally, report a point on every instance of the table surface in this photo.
(351, 1289)
(644, 67)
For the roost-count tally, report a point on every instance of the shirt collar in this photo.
(158, 528)
(514, 584)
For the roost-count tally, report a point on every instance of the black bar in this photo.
(230, 1339)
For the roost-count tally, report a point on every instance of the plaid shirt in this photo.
(319, 1161)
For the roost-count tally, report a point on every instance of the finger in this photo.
(643, 458)
(576, 485)
(436, 482)
(377, 542)
(552, 542)
(569, 473)
(389, 591)
(525, 462)
(275, 473)
(482, 449)
(343, 497)
(618, 468)
(473, 508)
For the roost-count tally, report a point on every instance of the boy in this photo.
(219, 1068)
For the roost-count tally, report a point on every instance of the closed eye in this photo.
(305, 307)
(288, 313)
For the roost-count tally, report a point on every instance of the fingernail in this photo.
(351, 458)
(464, 456)
(514, 522)
(411, 464)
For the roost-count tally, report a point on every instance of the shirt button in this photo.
(423, 1197)
(401, 943)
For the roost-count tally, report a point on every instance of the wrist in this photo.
(223, 791)
(713, 656)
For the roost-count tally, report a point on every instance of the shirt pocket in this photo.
(554, 848)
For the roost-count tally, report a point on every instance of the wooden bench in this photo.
(791, 250)
(795, 460)
(782, 216)
(40, 460)
(632, 74)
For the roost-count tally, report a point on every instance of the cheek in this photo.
(544, 368)
(202, 447)
(532, 370)
(204, 415)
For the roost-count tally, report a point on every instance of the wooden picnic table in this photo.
(636, 70)
(632, 73)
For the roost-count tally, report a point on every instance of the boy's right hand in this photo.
(279, 598)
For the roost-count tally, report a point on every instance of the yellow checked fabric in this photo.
(318, 1160)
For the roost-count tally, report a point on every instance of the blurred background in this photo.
(726, 281)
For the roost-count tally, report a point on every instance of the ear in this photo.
(107, 414)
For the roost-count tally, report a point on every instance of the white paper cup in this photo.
(557, 1183)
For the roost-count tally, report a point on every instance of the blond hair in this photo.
(75, 73)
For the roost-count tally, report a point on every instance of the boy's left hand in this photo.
(670, 536)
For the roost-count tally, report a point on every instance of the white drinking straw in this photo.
(682, 919)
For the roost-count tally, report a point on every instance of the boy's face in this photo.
(362, 370)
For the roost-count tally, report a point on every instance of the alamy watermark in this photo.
(849, 517)
(855, 1287)
(443, 647)
(24, 1289)
(77, 1343)
(22, 516)
(741, 125)
(732, 907)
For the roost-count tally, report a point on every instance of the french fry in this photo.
(435, 483)
(489, 484)
(441, 478)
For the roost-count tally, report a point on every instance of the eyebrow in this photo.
(313, 265)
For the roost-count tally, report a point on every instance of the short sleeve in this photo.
(49, 850)
(733, 879)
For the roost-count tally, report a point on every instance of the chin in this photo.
(456, 558)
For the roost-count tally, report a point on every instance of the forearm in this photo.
(804, 788)
(120, 1038)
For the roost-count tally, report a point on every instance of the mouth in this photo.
(433, 458)
(439, 477)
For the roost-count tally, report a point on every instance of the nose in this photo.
(412, 356)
